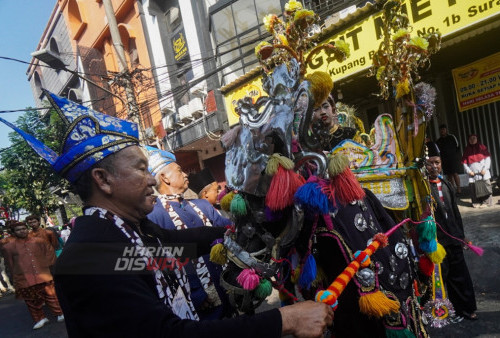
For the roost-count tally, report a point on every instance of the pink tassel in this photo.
(283, 187)
(477, 250)
(248, 279)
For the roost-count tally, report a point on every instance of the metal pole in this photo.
(133, 110)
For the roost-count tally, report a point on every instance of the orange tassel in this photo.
(376, 304)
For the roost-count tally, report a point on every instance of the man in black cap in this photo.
(455, 272)
(450, 155)
(204, 185)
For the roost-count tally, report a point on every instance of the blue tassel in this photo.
(428, 246)
(308, 274)
(310, 197)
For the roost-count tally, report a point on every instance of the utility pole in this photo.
(133, 109)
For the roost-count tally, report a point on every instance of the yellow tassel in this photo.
(218, 254)
(320, 277)
(377, 304)
(276, 160)
(225, 202)
(437, 256)
(296, 275)
(337, 163)
(321, 86)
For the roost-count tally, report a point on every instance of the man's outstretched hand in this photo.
(306, 319)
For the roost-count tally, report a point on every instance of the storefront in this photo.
(469, 34)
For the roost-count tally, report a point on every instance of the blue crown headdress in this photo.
(90, 136)
(158, 159)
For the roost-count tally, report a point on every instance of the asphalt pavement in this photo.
(482, 227)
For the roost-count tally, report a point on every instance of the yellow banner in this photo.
(364, 37)
(478, 83)
(251, 89)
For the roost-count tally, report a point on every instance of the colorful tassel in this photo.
(238, 206)
(264, 289)
(376, 304)
(295, 275)
(346, 188)
(383, 239)
(277, 160)
(426, 230)
(428, 246)
(221, 195)
(320, 277)
(273, 216)
(476, 249)
(426, 266)
(337, 163)
(248, 279)
(225, 202)
(312, 198)
(309, 272)
(437, 256)
(399, 333)
(282, 189)
(218, 254)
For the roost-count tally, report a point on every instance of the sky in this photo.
(22, 23)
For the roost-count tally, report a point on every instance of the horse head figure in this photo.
(275, 137)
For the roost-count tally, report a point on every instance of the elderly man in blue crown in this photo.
(172, 211)
(101, 296)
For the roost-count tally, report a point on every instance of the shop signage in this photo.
(179, 45)
(365, 36)
(478, 83)
(251, 89)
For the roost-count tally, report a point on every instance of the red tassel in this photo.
(346, 187)
(477, 250)
(426, 266)
(282, 189)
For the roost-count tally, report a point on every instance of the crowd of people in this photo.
(135, 203)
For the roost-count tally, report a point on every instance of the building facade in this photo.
(469, 34)
(118, 84)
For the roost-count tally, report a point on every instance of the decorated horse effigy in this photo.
(351, 226)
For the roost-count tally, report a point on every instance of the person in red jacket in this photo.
(28, 259)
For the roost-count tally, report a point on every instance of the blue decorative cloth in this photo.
(191, 219)
(188, 215)
(158, 159)
(90, 136)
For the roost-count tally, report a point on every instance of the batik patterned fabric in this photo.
(165, 288)
(199, 263)
(158, 159)
(89, 137)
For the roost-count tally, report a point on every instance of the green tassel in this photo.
(225, 202)
(238, 206)
(276, 160)
(404, 333)
(337, 163)
(427, 230)
(264, 289)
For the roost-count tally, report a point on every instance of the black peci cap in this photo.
(200, 180)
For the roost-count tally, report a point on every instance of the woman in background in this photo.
(477, 161)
